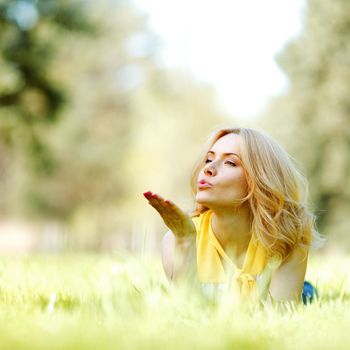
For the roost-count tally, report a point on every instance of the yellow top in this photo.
(211, 270)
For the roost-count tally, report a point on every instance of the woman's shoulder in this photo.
(297, 255)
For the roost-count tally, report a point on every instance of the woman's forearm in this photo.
(178, 256)
(185, 259)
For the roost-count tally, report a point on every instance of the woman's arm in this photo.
(179, 243)
(287, 281)
(178, 256)
(168, 251)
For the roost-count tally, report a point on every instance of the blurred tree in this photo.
(127, 116)
(127, 124)
(313, 117)
(29, 96)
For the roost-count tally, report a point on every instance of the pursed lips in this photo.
(202, 184)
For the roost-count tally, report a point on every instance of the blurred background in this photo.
(101, 101)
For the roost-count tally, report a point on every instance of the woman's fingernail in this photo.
(147, 194)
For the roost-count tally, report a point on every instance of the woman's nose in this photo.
(209, 170)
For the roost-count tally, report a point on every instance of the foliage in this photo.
(122, 118)
(313, 117)
(29, 96)
(122, 302)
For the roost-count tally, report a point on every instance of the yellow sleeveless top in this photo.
(252, 279)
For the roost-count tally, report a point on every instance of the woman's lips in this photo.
(202, 184)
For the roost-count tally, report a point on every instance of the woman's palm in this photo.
(179, 222)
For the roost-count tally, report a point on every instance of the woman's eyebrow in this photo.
(225, 154)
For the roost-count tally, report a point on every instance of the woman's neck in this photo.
(232, 228)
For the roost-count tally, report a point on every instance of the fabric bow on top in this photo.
(211, 256)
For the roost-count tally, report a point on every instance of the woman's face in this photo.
(222, 181)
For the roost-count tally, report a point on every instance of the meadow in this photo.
(123, 301)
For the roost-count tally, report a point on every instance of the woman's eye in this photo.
(230, 163)
(208, 161)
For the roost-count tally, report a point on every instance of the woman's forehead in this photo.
(229, 143)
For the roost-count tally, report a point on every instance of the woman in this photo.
(250, 229)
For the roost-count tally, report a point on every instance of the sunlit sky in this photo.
(230, 44)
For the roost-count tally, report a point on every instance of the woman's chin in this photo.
(201, 200)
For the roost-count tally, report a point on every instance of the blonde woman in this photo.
(251, 229)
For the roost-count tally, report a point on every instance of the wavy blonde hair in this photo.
(277, 193)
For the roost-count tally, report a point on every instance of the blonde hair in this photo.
(277, 193)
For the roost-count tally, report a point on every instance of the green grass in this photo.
(124, 302)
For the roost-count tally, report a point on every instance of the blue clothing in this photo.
(309, 293)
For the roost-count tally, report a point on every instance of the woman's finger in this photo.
(168, 214)
(148, 194)
(156, 200)
(176, 211)
(157, 205)
(171, 214)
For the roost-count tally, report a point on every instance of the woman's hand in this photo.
(180, 223)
